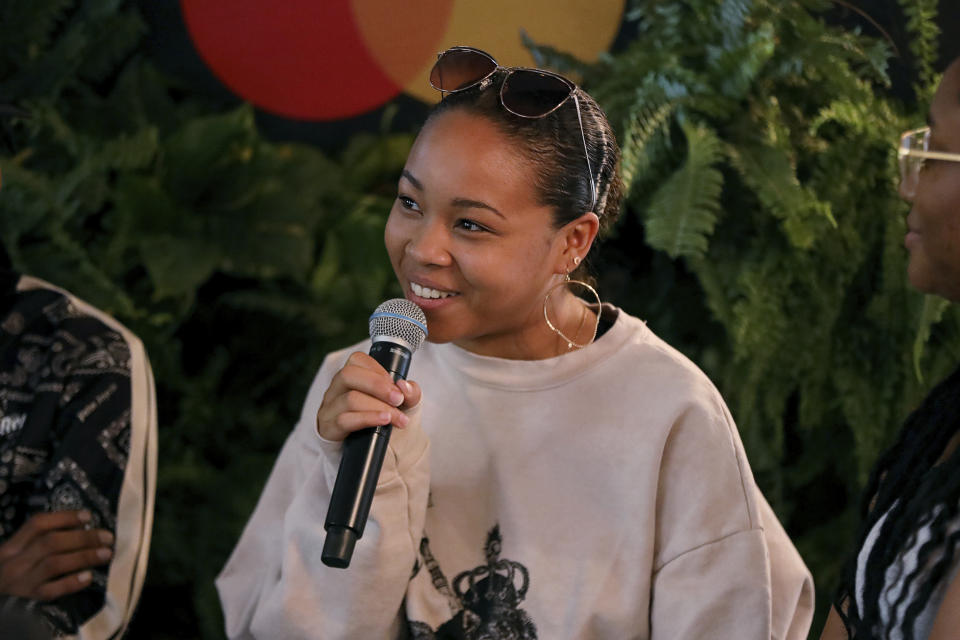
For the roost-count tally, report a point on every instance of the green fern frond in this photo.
(112, 37)
(683, 212)
(769, 172)
(759, 318)
(737, 66)
(26, 27)
(732, 18)
(643, 126)
(134, 151)
(922, 24)
(865, 117)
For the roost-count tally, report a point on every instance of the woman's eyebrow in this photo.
(467, 203)
(409, 176)
(459, 203)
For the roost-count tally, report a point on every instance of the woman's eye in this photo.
(408, 203)
(470, 225)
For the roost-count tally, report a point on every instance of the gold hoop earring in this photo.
(570, 343)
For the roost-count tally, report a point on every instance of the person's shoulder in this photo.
(648, 357)
(70, 325)
(61, 307)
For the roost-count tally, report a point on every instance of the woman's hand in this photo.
(51, 556)
(362, 394)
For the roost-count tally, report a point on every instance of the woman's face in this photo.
(933, 237)
(469, 242)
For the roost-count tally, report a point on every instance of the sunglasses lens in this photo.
(533, 94)
(457, 69)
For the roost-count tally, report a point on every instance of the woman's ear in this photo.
(577, 238)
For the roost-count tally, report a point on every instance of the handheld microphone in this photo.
(397, 328)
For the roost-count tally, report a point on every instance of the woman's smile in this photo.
(470, 243)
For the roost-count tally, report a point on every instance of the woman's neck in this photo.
(536, 340)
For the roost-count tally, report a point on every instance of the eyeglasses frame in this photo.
(510, 71)
(906, 151)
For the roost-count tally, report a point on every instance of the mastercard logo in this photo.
(334, 59)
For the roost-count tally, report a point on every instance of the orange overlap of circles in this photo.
(333, 59)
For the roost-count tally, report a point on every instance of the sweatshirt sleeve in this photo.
(275, 586)
(724, 567)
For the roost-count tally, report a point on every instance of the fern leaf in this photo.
(112, 38)
(643, 126)
(683, 212)
(26, 27)
(769, 172)
(922, 23)
(133, 151)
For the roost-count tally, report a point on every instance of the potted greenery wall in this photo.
(238, 262)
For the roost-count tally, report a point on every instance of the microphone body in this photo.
(364, 450)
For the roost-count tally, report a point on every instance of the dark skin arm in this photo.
(947, 622)
(945, 625)
(833, 629)
(51, 556)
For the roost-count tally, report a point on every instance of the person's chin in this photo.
(918, 274)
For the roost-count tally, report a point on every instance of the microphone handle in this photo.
(359, 472)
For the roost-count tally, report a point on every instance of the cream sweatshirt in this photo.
(603, 493)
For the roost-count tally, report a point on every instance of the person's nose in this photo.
(430, 245)
(907, 189)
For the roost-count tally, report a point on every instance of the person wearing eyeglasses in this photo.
(902, 582)
(564, 473)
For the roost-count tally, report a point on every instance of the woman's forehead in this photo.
(471, 146)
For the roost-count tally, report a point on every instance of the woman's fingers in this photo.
(355, 410)
(411, 393)
(363, 373)
(362, 394)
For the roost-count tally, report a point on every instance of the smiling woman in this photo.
(903, 580)
(473, 246)
(563, 473)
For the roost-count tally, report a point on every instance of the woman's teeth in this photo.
(427, 292)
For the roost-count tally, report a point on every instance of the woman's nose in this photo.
(430, 244)
(907, 188)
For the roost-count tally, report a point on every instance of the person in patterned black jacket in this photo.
(77, 461)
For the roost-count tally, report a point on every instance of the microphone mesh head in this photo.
(401, 319)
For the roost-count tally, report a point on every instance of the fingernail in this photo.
(104, 554)
(85, 576)
(106, 537)
(84, 516)
(384, 417)
(404, 386)
(396, 398)
(402, 420)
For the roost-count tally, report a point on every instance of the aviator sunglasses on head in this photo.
(528, 93)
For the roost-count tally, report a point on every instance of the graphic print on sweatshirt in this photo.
(485, 601)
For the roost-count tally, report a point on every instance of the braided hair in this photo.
(555, 149)
(916, 492)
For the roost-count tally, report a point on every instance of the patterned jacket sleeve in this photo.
(91, 434)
